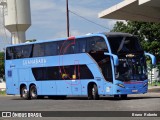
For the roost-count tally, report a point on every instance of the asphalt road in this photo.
(146, 102)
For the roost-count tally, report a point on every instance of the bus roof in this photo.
(117, 34)
(58, 39)
(108, 34)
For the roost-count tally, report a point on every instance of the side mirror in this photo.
(153, 58)
(115, 58)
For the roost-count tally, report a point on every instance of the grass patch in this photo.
(154, 84)
(2, 92)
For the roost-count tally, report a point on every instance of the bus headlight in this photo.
(121, 85)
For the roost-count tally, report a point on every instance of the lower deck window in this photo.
(62, 73)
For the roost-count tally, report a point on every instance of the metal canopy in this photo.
(135, 10)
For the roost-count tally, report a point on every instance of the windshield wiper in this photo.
(121, 45)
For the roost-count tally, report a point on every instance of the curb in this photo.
(155, 89)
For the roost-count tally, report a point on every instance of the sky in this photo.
(49, 18)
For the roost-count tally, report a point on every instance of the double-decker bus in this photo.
(93, 65)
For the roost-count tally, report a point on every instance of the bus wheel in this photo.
(124, 97)
(93, 93)
(24, 93)
(116, 96)
(33, 92)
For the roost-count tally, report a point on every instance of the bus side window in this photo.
(38, 73)
(17, 52)
(65, 73)
(85, 72)
(69, 50)
(9, 53)
(38, 50)
(50, 48)
(26, 51)
(59, 47)
(97, 44)
(66, 47)
(46, 73)
(106, 68)
(80, 45)
(91, 45)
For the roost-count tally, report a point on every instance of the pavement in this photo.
(154, 89)
(151, 89)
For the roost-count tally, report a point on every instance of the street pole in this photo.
(67, 12)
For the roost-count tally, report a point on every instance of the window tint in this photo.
(38, 50)
(60, 49)
(62, 73)
(114, 43)
(106, 68)
(67, 72)
(66, 47)
(85, 73)
(124, 44)
(26, 51)
(96, 44)
(76, 72)
(18, 52)
(81, 45)
(51, 48)
(46, 73)
(9, 53)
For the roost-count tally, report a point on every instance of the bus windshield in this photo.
(132, 63)
(132, 69)
(124, 45)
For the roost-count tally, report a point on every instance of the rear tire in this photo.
(116, 96)
(33, 92)
(93, 93)
(124, 97)
(24, 93)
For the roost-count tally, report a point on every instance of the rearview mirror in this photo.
(115, 58)
(153, 58)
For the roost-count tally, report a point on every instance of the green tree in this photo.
(148, 34)
(1, 64)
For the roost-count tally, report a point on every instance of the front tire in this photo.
(124, 97)
(93, 93)
(24, 93)
(33, 92)
(116, 96)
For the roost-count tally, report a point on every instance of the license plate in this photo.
(134, 90)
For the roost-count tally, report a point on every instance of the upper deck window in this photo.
(51, 48)
(97, 44)
(18, 52)
(64, 47)
(124, 45)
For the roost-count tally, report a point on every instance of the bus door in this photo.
(64, 83)
(12, 80)
(76, 82)
(67, 77)
(48, 76)
(106, 67)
